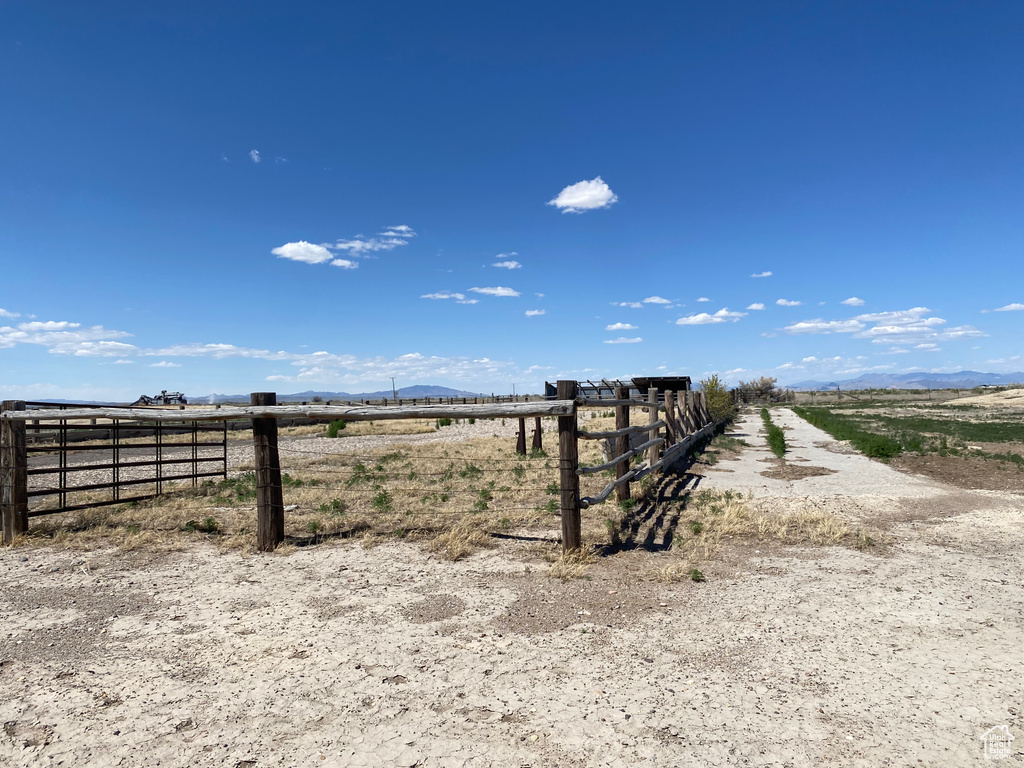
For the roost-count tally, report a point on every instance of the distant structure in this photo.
(164, 398)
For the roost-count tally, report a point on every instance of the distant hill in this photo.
(920, 380)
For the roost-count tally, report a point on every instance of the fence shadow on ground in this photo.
(651, 524)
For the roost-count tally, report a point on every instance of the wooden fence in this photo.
(685, 422)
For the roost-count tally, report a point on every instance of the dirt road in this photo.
(344, 655)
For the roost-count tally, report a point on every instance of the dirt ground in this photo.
(905, 653)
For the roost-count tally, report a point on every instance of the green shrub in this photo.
(335, 427)
(445, 422)
(718, 398)
(776, 437)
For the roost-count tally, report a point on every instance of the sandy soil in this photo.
(343, 655)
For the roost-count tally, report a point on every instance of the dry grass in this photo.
(452, 496)
(710, 519)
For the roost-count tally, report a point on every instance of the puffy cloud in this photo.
(254, 155)
(788, 303)
(307, 253)
(535, 312)
(853, 301)
(5, 313)
(656, 300)
(623, 340)
(630, 304)
(61, 337)
(584, 196)
(756, 306)
(1010, 308)
(165, 364)
(906, 326)
(703, 318)
(703, 298)
(511, 264)
(344, 264)
(496, 291)
(620, 327)
(762, 274)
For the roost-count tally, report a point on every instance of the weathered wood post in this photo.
(269, 496)
(13, 474)
(652, 412)
(521, 437)
(621, 442)
(538, 441)
(568, 463)
(672, 431)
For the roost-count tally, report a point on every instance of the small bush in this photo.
(382, 501)
(335, 427)
(718, 399)
(445, 422)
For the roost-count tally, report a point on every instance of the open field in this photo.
(819, 609)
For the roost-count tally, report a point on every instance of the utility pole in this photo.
(393, 390)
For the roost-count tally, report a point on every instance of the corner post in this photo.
(269, 496)
(652, 416)
(13, 474)
(568, 463)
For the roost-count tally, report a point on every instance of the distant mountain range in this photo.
(959, 380)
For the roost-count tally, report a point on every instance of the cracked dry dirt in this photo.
(341, 655)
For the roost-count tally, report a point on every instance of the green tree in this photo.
(718, 398)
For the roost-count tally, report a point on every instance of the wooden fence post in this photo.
(621, 442)
(521, 437)
(538, 429)
(568, 463)
(652, 397)
(13, 474)
(269, 496)
(672, 431)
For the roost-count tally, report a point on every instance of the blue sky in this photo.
(234, 197)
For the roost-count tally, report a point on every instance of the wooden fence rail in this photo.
(685, 423)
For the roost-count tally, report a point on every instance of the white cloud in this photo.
(620, 327)
(756, 306)
(788, 303)
(623, 340)
(165, 364)
(630, 304)
(124, 362)
(5, 313)
(444, 295)
(907, 326)
(216, 351)
(535, 312)
(1010, 308)
(762, 274)
(656, 300)
(344, 264)
(584, 196)
(61, 337)
(703, 318)
(853, 301)
(811, 359)
(307, 253)
(402, 230)
(703, 298)
(254, 155)
(926, 346)
(825, 326)
(103, 349)
(513, 264)
(496, 291)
